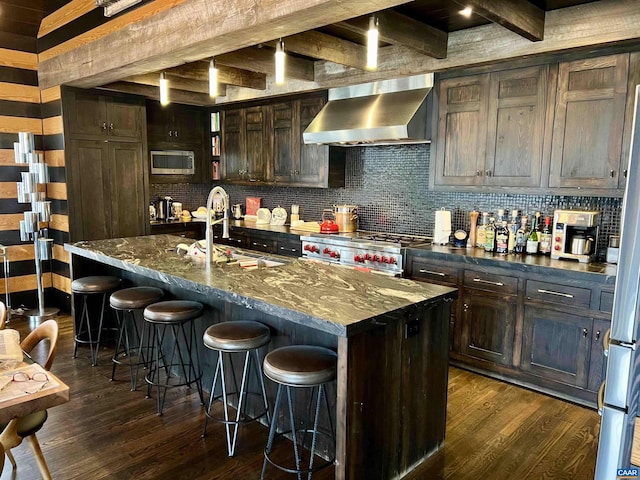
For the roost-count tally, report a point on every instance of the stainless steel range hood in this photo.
(379, 113)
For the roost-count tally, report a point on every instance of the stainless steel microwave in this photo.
(172, 162)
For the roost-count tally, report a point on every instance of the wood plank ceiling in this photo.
(420, 27)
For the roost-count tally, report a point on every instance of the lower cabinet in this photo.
(194, 231)
(487, 327)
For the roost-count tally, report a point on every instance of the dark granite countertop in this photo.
(604, 273)
(336, 300)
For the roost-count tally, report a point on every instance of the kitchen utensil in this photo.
(263, 216)
(237, 211)
(581, 245)
(346, 217)
(278, 216)
(473, 216)
(328, 225)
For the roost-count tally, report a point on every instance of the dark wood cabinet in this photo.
(257, 148)
(107, 181)
(487, 326)
(99, 116)
(286, 141)
(233, 162)
(589, 122)
(557, 345)
(187, 230)
(174, 124)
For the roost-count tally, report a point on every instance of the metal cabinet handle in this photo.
(551, 292)
(585, 332)
(431, 272)
(488, 173)
(111, 127)
(612, 173)
(465, 307)
(497, 284)
(175, 133)
(624, 173)
(170, 133)
(289, 249)
(263, 245)
(598, 335)
(600, 400)
(478, 173)
(104, 126)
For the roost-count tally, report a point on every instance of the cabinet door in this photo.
(86, 114)
(462, 130)
(233, 159)
(556, 345)
(158, 123)
(589, 118)
(125, 118)
(313, 167)
(87, 163)
(284, 164)
(257, 144)
(127, 186)
(188, 126)
(597, 364)
(515, 127)
(487, 327)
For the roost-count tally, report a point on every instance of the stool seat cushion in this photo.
(173, 311)
(237, 336)
(301, 365)
(135, 298)
(95, 284)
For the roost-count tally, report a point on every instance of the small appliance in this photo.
(575, 235)
(172, 162)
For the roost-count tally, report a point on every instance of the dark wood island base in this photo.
(391, 336)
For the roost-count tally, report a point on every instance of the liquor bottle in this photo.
(502, 238)
(500, 216)
(534, 239)
(480, 233)
(513, 230)
(545, 237)
(490, 236)
(522, 235)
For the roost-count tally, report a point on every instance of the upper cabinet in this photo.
(558, 128)
(491, 129)
(263, 144)
(100, 116)
(589, 122)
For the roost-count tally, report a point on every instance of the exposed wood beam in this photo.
(326, 47)
(177, 83)
(396, 28)
(176, 96)
(262, 60)
(519, 16)
(583, 27)
(226, 74)
(190, 31)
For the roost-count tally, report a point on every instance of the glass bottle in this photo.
(522, 236)
(500, 216)
(513, 230)
(533, 240)
(502, 238)
(480, 232)
(545, 237)
(490, 236)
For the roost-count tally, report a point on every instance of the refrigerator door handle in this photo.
(610, 445)
(619, 366)
(600, 399)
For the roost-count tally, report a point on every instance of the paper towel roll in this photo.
(442, 228)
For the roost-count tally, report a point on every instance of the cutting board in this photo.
(306, 226)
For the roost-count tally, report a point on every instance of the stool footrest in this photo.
(325, 463)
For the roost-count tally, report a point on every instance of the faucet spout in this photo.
(225, 220)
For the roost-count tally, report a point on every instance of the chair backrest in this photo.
(45, 331)
(3, 315)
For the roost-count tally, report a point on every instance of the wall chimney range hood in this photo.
(388, 112)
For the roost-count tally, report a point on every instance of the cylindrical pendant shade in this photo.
(28, 141)
(29, 181)
(41, 170)
(44, 210)
(24, 235)
(23, 197)
(44, 246)
(17, 153)
(31, 221)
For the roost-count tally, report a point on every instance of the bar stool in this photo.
(236, 337)
(175, 317)
(88, 333)
(126, 303)
(299, 366)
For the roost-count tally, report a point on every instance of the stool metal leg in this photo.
(272, 430)
(258, 372)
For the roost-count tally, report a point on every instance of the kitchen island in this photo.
(391, 336)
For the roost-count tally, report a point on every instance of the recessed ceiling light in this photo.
(466, 11)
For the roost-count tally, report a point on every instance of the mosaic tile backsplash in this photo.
(390, 186)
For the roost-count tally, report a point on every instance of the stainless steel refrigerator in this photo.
(622, 384)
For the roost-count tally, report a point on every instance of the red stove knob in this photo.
(557, 247)
(325, 250)
(357, 258)
(384, 259)
(307, 247)
(367, 256)
(393, 261)
(314, 249)
(376, 258)
(333, 254)
(558, 239)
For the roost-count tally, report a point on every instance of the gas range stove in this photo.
(369, 251)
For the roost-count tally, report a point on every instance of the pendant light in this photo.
(372, 43)
(213, 79)
(164, 89)
(280, 56)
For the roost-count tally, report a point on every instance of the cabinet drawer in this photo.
(262, 245)
(557, 293)
(491, 282)
(433, 272)
(289, 248)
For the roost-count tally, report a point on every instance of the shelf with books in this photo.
(215, 145)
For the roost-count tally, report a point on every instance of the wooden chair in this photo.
(26, 427)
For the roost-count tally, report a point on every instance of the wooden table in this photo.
(32, 402)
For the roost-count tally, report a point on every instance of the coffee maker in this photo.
(575, 235)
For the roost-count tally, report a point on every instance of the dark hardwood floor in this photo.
(494, 431)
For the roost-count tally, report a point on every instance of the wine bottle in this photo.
(502, 238)
(480, 233)
(490, 236)
(522, 235)
(513, 230)
(545, 237)
(533, 240)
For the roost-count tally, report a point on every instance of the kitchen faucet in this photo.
(210, 224)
